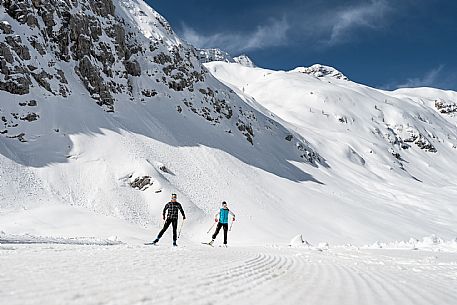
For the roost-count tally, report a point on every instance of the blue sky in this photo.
(381, 43)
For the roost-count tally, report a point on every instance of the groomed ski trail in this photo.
(134, 274)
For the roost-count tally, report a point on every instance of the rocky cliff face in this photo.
(43, 35)
(209, 55)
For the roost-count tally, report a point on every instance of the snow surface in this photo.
(190, 274)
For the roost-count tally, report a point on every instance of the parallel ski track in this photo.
(127, 274)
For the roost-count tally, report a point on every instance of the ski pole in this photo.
(211, 227)
(180, 228)
(231, 225)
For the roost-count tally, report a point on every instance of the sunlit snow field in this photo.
(199, 274)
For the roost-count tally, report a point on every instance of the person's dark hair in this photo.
(223, 202)
(174, 195)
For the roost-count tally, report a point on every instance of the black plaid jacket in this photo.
(173, 208)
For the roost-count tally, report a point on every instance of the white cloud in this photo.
(345, 21)
(271, 34)
(430, 79)
(319, 28)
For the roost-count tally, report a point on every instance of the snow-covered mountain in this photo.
(390, 154)
(318, 70)
(105, 108)
(106, 111)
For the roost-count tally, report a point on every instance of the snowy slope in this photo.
(390, 154)
(105, 112)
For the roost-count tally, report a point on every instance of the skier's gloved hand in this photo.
(215, 219)
(233, 219)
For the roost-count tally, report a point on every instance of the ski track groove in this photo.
(399, 291)
(391, 285)
(401, 288)
(242, 278)
(386, 292)
(353, 280)
(362, 276)
(160, 275)
(322, 277)
(429, 294)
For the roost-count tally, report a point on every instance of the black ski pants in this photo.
(218, 228)
(174, 223)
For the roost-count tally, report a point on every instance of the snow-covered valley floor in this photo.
(198, 274)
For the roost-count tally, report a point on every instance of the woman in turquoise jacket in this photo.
(222, 218)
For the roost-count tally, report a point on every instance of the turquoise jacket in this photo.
(223, 215)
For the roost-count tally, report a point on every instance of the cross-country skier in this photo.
(172, 218)
(223, 215)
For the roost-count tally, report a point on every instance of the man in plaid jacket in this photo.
(172, 218)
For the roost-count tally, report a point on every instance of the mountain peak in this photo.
(215, 54)
(244, 60)
(319, 70)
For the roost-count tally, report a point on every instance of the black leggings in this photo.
(218, 228)
(167, 223)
